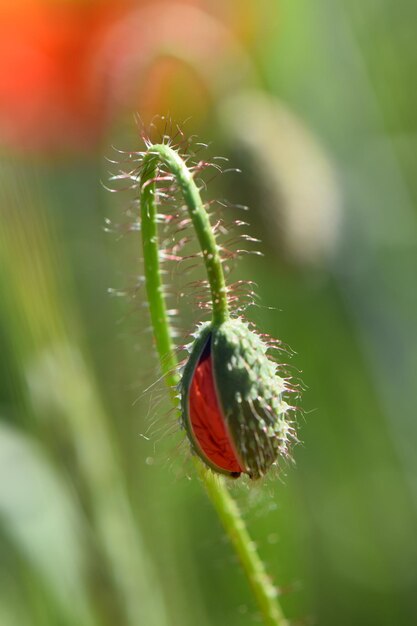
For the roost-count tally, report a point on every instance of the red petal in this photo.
(207, 420)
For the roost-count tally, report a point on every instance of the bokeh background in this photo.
(101, 518)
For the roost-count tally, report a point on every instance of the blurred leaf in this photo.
(296, 188)
(39, 513)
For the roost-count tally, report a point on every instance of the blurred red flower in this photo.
(69, 65)
(48, 96)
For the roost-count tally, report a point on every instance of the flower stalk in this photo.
(162, 154)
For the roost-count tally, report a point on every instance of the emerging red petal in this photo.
(207, 420)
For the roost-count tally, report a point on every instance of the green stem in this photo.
(227, 510)
(264, 591)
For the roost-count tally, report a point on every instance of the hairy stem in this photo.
(227, 510)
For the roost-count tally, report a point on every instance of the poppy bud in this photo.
(232, 401)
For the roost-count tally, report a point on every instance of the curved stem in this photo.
(184, 178)
(227, 510)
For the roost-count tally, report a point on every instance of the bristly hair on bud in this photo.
(232, 394)
(232, 401)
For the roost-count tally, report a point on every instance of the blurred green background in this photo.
(101, 518)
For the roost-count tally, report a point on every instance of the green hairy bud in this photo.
(232, 401)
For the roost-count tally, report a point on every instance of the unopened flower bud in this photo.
(232, 401)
